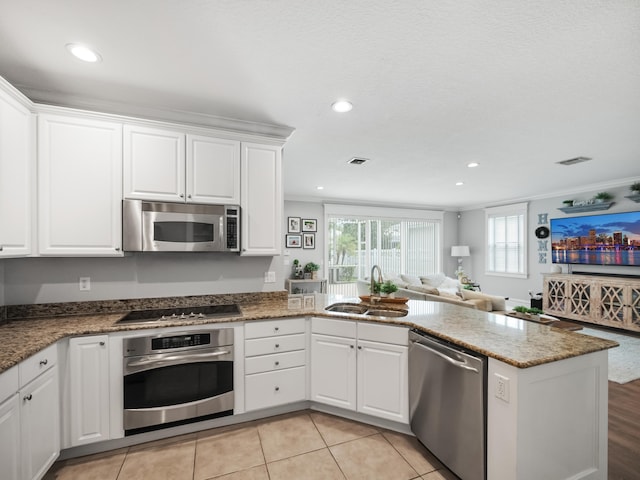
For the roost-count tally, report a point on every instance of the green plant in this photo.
(635, 187)
(296, 262)
(523, 309)
(376, 288)
(604, 196)
(568, 203)
(535, 311)
(388, 287)
(311, 267)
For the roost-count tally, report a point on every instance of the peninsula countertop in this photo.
(516, 342)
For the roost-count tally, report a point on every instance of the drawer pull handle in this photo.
(102, 344)
(277, 389)
(277, 345)
(43, 362)
(351, 346)
(277, 329)
(359, 347)
(277, 363)
(28, 397)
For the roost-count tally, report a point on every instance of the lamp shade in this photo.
(460, 251)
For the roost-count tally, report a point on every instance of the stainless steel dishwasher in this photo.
(447, 402)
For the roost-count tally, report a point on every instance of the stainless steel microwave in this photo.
(179, 227)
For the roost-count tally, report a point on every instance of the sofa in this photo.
(438, 288)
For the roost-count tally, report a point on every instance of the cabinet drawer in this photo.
(277, 361)
(9, 383)
(269, 389)
(272, 328)
(337, 328)
(263, 346)
(375, 332)
(38, 363)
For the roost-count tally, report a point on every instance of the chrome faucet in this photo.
(373, 281)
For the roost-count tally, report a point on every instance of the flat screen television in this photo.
(607, 239)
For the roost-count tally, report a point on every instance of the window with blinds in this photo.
(399, 245)
(506, 252)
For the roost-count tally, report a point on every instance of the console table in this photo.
(609, 301)
(291, 283)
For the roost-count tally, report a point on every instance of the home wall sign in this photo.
(542, 233)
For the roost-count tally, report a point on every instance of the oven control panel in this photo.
(180, 341)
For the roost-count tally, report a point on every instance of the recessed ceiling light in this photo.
(341, 106)
(84, 53)
(319, 187)
(459, 184)
(472, 164)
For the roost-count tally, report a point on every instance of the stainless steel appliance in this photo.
(179, 227)
(447, 402)
(177, 378)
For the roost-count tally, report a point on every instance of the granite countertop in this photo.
(513, 341)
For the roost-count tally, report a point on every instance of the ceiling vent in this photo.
(358, 161)
(573, 161)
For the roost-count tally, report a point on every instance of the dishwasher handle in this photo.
(452, 361)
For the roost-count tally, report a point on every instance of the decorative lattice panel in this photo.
(611, 303)
(634, 307)
(556, 296)
(580, 299)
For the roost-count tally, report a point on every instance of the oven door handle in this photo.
(173, 358)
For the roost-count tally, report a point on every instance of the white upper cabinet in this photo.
(17, 176)
(79, 186)
(213, 170)
(170, 166)
(154, 164)
(261, 199)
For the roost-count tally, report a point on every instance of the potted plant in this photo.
(297, 269)
(602, 197)
(635, 188)
(389, 289)
(312, 269)
(377, 287)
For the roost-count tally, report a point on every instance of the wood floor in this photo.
(624, 431)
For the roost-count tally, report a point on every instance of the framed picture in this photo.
(308, 240)
(293, 225)
(294, 241)
(309, 302)
(295, 302)
(309, 225)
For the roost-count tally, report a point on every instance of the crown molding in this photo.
(47, 97)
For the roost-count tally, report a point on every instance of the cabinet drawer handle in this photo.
(277, 389)
(277, 345)
(43, 362)
(117, 249)
(359, 347)
(277, 328)
(27, 398)
(182, 195)
(350, 346)
(277, 363)
(102, 344)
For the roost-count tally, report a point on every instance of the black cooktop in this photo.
(181, 313)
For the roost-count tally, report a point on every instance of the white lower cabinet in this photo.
(10, 438)
(275, 363)
(361, 367)
(40, 424)
(89, 389)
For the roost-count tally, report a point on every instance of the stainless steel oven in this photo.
(170, 379)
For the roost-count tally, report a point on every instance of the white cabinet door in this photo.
(333, 371)
(10, 438)
(89, 384)
(261, 199)
(213, 170)
(17, 175)
(383, 380)
(154, 164)
(40, 424)
(79, 186)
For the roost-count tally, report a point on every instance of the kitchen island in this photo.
(551, 422)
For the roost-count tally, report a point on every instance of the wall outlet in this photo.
(269, 277)
(502, 387)
(84, 284)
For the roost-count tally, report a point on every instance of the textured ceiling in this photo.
(516, 86)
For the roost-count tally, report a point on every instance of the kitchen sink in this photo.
(364, 310)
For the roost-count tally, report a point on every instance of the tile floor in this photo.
(302, 445)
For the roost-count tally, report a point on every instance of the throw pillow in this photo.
(433, 280)
(450, 283)
(423, 289)
(396, 279)
(411, 279)
(497, 303)
(449, 291)
(449, 295)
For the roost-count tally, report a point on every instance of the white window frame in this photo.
(519, 209)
